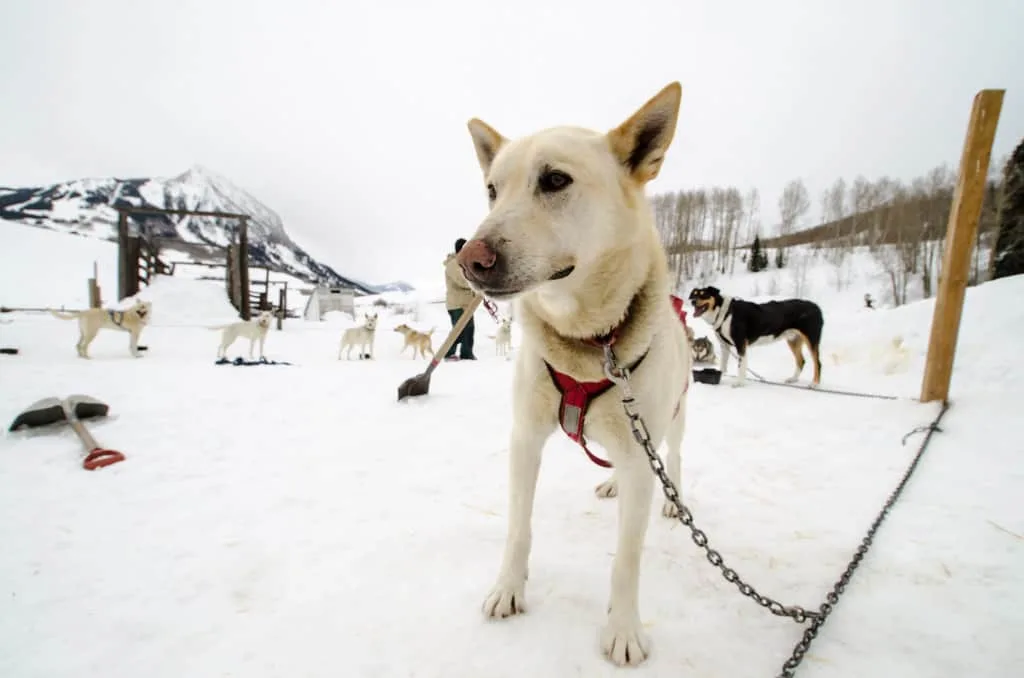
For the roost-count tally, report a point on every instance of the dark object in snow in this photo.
(420, 384)
(242, 361)
(708, 375)
(71, 410)
(8, 351)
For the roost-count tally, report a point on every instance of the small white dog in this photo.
(361, 336)
(254, 330)
(503, 339)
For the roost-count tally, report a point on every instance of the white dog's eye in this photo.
(552, 181)
(492, 192)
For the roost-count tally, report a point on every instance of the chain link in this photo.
(620, 376)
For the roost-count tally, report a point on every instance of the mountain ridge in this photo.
(87, 206)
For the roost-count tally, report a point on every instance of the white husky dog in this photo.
(254, 330)
(361, 336)
(571, 237)
(503, 337)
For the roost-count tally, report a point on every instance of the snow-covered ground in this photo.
(298, 521)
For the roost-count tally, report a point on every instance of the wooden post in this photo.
(956, 259)
(282, 304)
(94, 288)
(243, 267)
(124, 263)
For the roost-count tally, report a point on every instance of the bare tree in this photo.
(793, 205)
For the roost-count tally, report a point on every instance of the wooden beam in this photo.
(159, 211)
(243, 267)
(956, 259)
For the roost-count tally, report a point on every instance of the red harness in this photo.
(577, 395)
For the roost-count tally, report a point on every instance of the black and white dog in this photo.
(741, 324)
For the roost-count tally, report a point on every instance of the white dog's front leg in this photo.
(723, 364)
(508, 595)
(674, 441)
(623, 640)
(742, 370)
(133, 343)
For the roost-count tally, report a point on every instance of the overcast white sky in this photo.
(349, 119)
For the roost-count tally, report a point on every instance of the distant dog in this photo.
(703, 350)
(254, 330)
(420, 341)
(90, 321)
(361, 336)
(503, 338)
(741, 324)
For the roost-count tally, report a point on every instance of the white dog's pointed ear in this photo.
(487, 142)
(640, 143)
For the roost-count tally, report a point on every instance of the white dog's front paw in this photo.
(792, 380)
(505, 599)
(669, 510)
(738, 384)
(607, 490)
(624, 643)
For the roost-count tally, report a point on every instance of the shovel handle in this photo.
(99, 457)
(467, 315)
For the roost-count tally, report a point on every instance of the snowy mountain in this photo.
(87, 207)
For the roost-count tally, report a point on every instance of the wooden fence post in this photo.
(956, 259)
(282, 304)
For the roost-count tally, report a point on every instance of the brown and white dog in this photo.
(420, 341)
(570, 237)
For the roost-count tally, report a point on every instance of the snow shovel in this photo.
(420, 384)
(72, 410)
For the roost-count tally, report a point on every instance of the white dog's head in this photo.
(371, 321)
(264, 318)
(562, 198)
(505, 325)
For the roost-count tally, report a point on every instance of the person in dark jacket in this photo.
(457, 297)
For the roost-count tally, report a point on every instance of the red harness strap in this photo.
(577, 395)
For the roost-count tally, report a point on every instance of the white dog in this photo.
(503, 338)
(570, 236)
(90, 321)
(361, 336)
(254, 330)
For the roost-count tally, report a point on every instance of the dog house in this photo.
(324, 299)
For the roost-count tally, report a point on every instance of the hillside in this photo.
(87, 207)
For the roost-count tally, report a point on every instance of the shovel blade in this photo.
(42, 413)
(87, 407)
(414, 386)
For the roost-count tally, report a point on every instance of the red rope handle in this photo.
(99, 457)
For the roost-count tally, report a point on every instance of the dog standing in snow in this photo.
(420, 341)
(570, 237)
(361, 336)
(254, 330)
(503, 338)
(90, 321)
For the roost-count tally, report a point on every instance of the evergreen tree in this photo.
(780, 261)
(1008, 256)
(758, 259)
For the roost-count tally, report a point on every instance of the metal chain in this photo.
(620, 376)
(811, 632)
